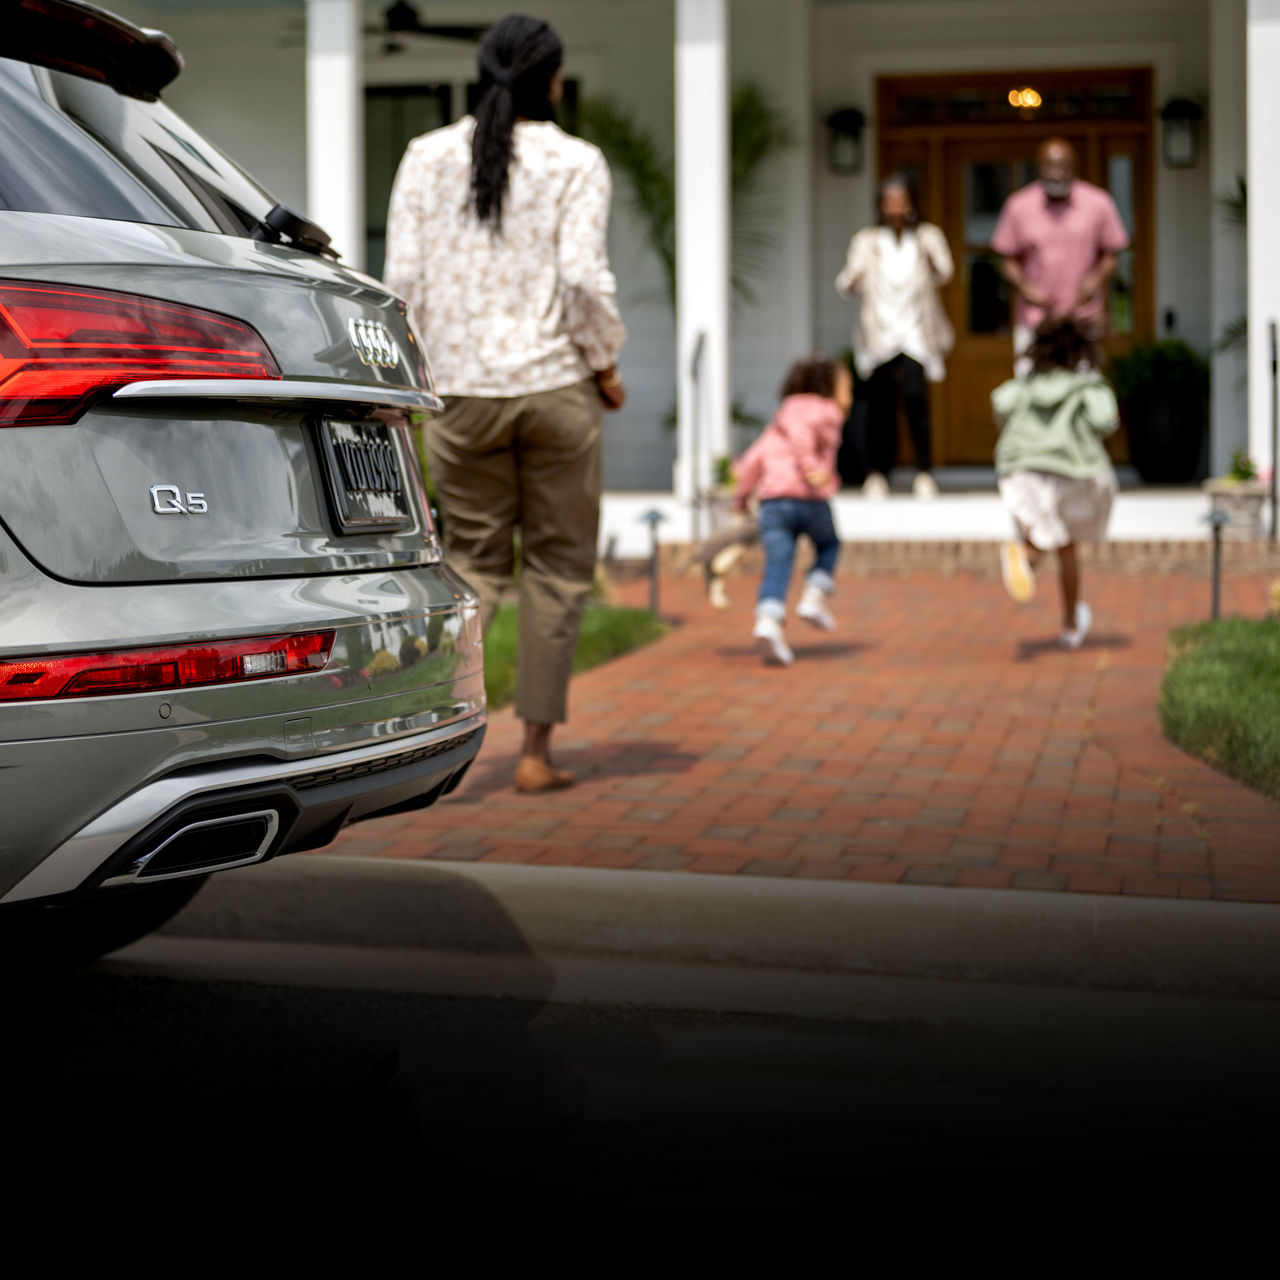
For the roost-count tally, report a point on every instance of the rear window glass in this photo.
(75, 147)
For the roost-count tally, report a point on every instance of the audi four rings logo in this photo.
(373, 344)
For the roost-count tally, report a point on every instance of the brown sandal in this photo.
(534, 774)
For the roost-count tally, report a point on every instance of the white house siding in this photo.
(244, 83)
(1264, 189)
(247, 94)
(770, 44)
(1229, 259)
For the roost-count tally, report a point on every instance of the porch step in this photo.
(980, 557)
(1146, 517)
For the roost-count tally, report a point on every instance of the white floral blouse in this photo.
(529, 309)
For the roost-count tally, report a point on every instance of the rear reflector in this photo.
(178, 666)
(61, 347)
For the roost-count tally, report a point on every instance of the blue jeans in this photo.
(782, 521)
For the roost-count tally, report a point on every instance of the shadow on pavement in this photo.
(1029, 650)
(822, 649)
(618, 758)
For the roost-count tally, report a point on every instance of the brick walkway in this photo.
(938, 737)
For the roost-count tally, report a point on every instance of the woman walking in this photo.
(897, 268)
(496, 238)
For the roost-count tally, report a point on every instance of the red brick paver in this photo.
(939, 736)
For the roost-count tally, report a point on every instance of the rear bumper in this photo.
(210, 818)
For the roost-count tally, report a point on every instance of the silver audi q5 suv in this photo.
(226, 628)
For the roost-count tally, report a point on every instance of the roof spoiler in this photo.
(83, 40)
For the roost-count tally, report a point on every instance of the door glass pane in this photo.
(1120, 184)
(986, 187)
(393, 117)
(986, 294)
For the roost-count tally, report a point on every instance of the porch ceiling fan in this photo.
(403, 19)
(401, 22)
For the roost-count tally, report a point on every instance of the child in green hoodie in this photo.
(1054, 473)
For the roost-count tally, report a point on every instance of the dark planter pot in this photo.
(1166, 437)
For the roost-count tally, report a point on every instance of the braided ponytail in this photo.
(517, 59)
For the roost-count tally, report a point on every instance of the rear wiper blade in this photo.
(282, 224)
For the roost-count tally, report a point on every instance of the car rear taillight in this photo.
(177, 666)
(60, 347)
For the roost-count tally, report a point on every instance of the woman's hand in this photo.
(817, 477)
(613, 395)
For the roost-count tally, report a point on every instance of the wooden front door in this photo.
(965, 168)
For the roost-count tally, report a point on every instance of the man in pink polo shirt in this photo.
(1059, 238)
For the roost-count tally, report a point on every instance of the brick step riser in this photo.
(863, 559)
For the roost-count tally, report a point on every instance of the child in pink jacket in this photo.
(791, 470)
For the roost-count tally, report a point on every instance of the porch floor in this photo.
(967, 509)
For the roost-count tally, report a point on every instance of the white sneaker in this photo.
(770, 644)
(1074, 638)
(924, 485)
(875, 486)
(717, 594)
(813, 609)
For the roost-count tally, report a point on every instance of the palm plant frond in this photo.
(1233, 205)
(757, 129)
(651, 176)
(1233, 210)
(1234, 336)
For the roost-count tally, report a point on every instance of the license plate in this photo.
(366, 480)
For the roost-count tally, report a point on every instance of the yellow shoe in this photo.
(724, 560)
(1015, 568)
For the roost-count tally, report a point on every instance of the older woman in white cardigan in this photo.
(902, 334)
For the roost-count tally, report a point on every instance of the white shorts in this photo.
(1051, 511)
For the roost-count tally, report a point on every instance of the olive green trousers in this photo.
(533, 464)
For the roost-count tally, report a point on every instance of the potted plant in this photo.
(719, 498)
(1163, 390)
(1239, 495)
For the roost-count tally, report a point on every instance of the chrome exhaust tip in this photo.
(197, 848)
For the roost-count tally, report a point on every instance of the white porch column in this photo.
(1228, 263)
(798, 183)
(335, 125)
(702, 240)
(1263, 88)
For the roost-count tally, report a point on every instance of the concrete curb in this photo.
(1001, 936)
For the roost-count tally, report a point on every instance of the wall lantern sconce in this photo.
(1180, 119)
(844, 140)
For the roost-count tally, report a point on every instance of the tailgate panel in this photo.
(241, 495)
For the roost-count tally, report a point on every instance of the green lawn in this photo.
(1221, 698)
(606, 633)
